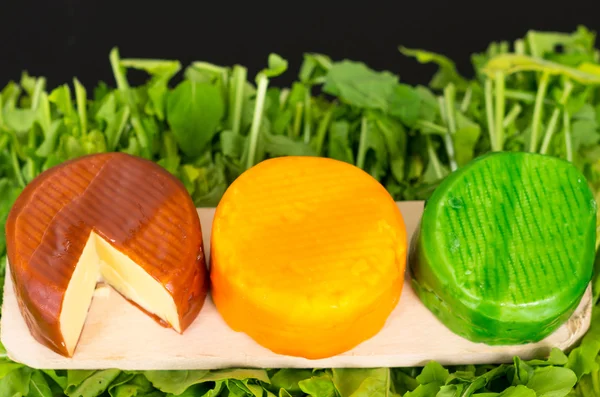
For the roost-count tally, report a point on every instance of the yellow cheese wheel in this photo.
(307, 256)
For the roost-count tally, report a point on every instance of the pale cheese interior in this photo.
(100, 260)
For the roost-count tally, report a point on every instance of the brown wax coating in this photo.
(137, 206)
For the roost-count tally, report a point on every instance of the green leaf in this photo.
(277, 66)
(339, 142)
(16, 383)
(318, 386)
(447, 72)
(38, 386)
(433, 372)
(176, 382)
(162, 72)
(194, 111)
(556, 357)
(288, 379)
(515, 391)
(396, 142)
(279, 145)
(89, 383)
(552, 381)
(405, 104)
(359, 86)
(59, 379)
(362, 382)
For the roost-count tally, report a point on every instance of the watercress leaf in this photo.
(59, 377)
(396, 142)
(314, 68)
(514, 391)
(89, 383)
(552, 381)
(288, 379)
(19, 120)
(465, 139)
(61, 98)
(556, 357)
(447, 72)
(155, 67)
(405, 104)
(162, 71)
(16, 383)
(318, 386)
(433, 372)
(360, 382)
(451, 391)
(428, 390)
(542, 43)
(279, 145)
(357, 85)
(194, 111)
(277, 66)
(429, 108)
(175, 382)
(339, 142)
(38, 385)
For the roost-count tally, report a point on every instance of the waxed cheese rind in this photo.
(488, 320)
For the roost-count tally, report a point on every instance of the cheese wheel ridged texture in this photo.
(114, 216)
(307, 256)
(505, 248)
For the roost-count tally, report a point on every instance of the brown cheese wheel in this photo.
(111, 217)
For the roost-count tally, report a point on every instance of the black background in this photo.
(61, 39)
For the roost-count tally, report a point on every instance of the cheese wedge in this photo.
(506, 247)
(307, 256)
(110, 217)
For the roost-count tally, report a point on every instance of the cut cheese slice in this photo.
(113, 217)
(307, 256)
(506, 247)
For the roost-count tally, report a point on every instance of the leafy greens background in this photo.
(537, 94)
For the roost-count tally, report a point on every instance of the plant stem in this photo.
(80, 99)
(568, 138)
(435, 161)
(512, 115)
(15, 164)
(424, 124)
(537, 112)
(448, 113)
(261, 93)
(297, 119)
(500, 109)
(362, 145)
(237, 97)
(37, 91)
(307, 115)
(554, 118)
(464, 106)
(115, 63)
(520, 47)
(489, 110)
(322, 130)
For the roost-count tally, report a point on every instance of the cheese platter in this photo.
(117, 335)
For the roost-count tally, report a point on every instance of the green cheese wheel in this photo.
(505, 248)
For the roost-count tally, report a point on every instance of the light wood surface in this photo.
(117, 335)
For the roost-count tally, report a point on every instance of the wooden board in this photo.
(117, 335)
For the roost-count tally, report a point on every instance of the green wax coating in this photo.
(505, 249)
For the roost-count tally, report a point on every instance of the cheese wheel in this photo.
(113, 217)
(307, 256)
(506, 247)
